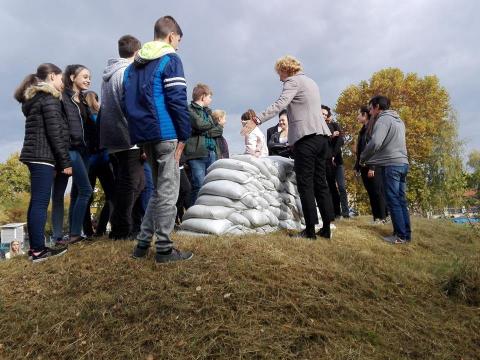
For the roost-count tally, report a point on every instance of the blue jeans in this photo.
(79, 196)
(198, 169)
(342, 190)
(41, 179)
(395, 186)
(148, 190)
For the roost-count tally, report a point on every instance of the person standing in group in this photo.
(115, 137)
(387, 149)
(220, 118)
(83, 141)
(99, 167)
(308, 134)
(45, 148)
(371, 176)
(334, 167)
(255, 143)
(157, 112)
(201, 148)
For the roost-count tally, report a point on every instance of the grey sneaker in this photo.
(175, 255)
(394, 239)
(140, 252)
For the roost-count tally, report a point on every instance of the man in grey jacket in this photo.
(387, 149)
(308, 134)
(114, 136)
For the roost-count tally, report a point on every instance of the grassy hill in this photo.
(270, 297)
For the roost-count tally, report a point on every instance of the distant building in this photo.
(11, 232)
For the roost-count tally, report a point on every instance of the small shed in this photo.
(11, 232)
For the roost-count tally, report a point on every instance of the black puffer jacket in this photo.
(46, 130)
(82, 131)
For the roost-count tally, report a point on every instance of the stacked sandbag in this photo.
(246, 195)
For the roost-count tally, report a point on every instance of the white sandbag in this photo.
(267, 184)
(217, 227)
(212, 200)
(276, 182)
(269, 165)
(272, 201)
(256, 217)
(292, 177)
(289, 187)
(267, 229)
(234, 165)
(224, 188)
(287, 198)
(290, 225)
(208, 212)
(240, 177)
(255, 162)
(251, 202)
(275, 211)
(238, 219)
(283, 165)
(273, 219)
(253, 189)
(262, 202)
(257, 183)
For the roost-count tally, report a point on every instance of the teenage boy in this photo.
(115, 137)
(387, 149)
(201, 148)
(157, 113)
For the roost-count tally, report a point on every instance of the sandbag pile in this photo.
(246, 195)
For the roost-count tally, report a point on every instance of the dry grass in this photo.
(269, 297)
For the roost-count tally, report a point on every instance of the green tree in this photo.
(473, 178)
(436, 177)
(14, 179)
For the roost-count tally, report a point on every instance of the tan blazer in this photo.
(301, 97)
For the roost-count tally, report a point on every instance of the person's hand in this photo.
(336, 133)
(179, 151)
(143, 156)
(333, 161)
(371, 173)
(67, 171)
(248, 127)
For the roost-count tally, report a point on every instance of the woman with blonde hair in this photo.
(308, 135)
(15, 250)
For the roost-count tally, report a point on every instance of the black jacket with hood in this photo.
(83, 132)
(46, 129)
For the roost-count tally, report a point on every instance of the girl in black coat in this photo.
(45, 147)
(76, 79)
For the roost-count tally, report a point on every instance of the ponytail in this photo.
(43, 71)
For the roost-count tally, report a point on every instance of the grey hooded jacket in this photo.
(301, 97)
(387, 145)
(114, 134)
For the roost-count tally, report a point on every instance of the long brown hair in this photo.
(43, 71)
(248, 115)
(91, 98)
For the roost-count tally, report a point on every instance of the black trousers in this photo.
(376, 194)
(310, 154)
(104, 173)
(332, 185)
(183, 195)
(127, 205)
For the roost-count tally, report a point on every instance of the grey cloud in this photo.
(232, 46)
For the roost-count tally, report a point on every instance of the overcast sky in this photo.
(233, 45)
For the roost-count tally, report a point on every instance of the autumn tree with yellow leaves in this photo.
(436, 177)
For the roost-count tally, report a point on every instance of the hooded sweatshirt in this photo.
(387, 146)
(155, 98)
(114, 134)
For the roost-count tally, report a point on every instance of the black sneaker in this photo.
(303, 235)
(47, 253)
(175, 255)
(140, 252)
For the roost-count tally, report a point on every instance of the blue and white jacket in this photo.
(155, 96)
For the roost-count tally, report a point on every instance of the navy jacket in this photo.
(155, 100)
